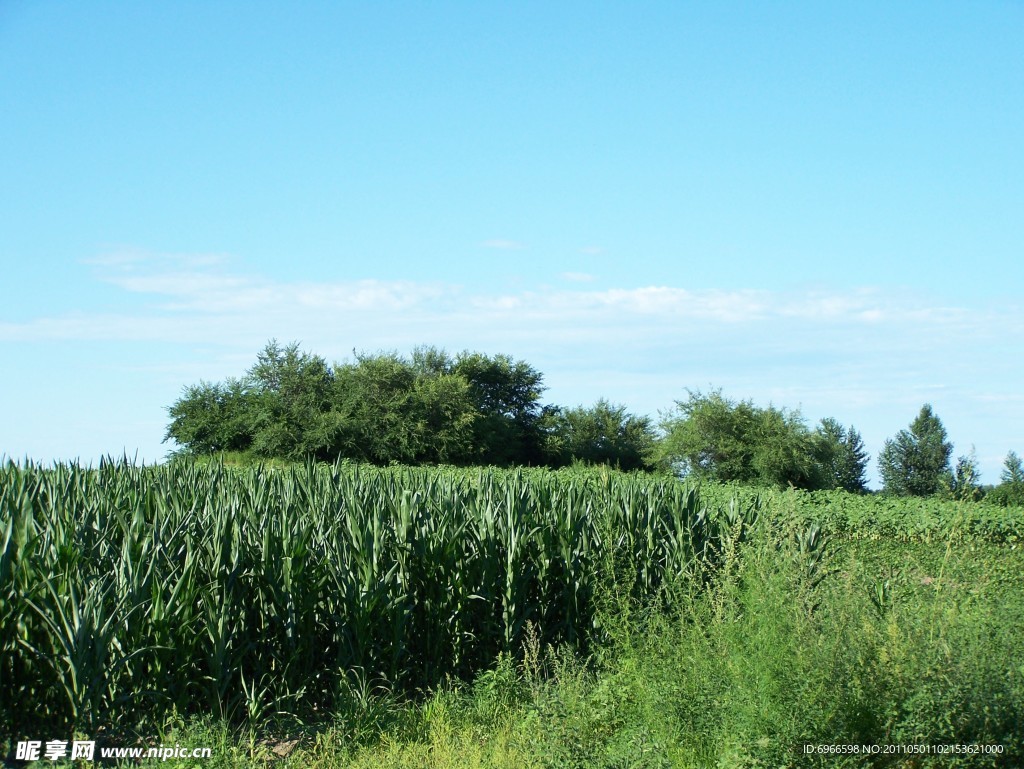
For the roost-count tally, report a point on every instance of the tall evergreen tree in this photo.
(841, 456)
(1011, 489)
(1013, 469)
(915, 461)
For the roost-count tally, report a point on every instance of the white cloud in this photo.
(202, 297)
(503, 244)
(365, 295)
(128, 258)
(578, 277)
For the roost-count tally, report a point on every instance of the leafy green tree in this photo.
(963, 482)
(380, 408)
(395, 410)
(914, 462)
(602, 434)
(841, 457)
(429, 361)
(374, 400)
(280, 408)
(507, 394)
(212, 417)
(443, 416)
(292, 415)
(707, 436)
(710, 436)
(1011, 489)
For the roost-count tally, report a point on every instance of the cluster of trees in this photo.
(916, 462)
(428, 408)
(471, 408)
(710, 436)
(713, 437)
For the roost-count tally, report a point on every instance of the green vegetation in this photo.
(822, 643)
(1011, 490)
(245, 592)
(713, 438)
(429, 596)
(430, 408)
(916, 460)
(360, 616)
(471, 409)
(602, 435)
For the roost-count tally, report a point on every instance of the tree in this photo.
(602, 434)
(507, 394)
(212, 417)
(841, 457)
(374, 399)
(443, 415)
(710, 436)
(1011, 489)
(1013, 469)
(914, 462)
(292, 406)
(411, 411)
(281, 408)
(963, 481)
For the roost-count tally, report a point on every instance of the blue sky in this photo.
(815, 205)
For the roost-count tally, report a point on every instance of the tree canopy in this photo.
(710, 436)
(470, 408)
(1010, 490)
(382, 408)
(602, 434)
(916, 461)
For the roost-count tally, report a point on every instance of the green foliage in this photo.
(375, 402)
(712, 437)
(880, 517)
(245, 592)
(507, 397)
(963, 482)
(381, 408)
(915, 461)
(602, 434)
(1011, 490)
(291, 403)
(788, 648)
(394, 410)
(281, 408)
(634, 623)
(841, 457)
(211, 418)
(1013, 469)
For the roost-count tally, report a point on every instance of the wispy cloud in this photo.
(503, 244)
(193, 294)
(734, 307)
(128, 258)
(578, 277)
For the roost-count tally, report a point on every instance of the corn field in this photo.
(127, 590)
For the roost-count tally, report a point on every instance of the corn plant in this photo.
(126, 591)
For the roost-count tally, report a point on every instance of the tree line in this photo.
(432, 407)
(427, 408)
